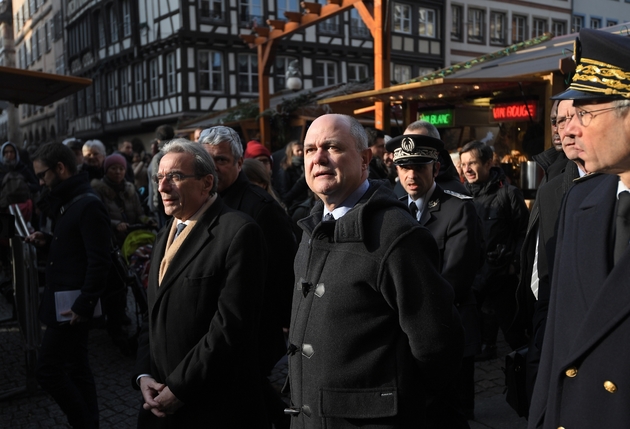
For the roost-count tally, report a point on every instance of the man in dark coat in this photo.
(453, 222)
(504, 217)
(374, 331)
(584, 362)
(196, 364)
(538, 250)
(78, 260)
(238, 193)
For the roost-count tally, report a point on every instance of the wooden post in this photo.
(265, 57)
(382, 56)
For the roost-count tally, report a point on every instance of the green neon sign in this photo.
(439, 118)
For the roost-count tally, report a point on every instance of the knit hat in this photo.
(113, 160)
(255, 149)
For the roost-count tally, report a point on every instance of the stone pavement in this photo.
(118, 402)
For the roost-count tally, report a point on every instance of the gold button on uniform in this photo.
(560, 427)
(610, 386)
(571, 372)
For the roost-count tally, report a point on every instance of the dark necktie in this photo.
(329, 217)
(622, 225)
(413, 208)
(180, 228)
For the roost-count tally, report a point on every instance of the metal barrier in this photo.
(26, 296)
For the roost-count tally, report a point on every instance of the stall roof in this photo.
(521, 64)
(19, 86)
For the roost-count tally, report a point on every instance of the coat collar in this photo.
(609, 304)
(189, 250)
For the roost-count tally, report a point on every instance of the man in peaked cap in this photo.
(452, 220)
(584, 365)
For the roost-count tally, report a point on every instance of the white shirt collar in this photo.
(349, 202)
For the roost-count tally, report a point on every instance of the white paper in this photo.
(65, 299)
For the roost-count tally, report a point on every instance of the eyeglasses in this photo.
(41, 174)
(584, 117)
(172, 178)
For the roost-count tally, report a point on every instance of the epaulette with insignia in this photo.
(458, 195)
(586, 177)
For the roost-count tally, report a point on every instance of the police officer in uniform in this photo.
(452, 220)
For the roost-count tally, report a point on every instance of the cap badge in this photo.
(407, 144)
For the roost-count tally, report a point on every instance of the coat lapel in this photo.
(432, 206)
(609, 303)
(196, 240)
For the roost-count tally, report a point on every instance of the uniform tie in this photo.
(180, 228)
(413, 208)
(328, 217)
(622, 225)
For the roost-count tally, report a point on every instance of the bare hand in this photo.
(75, 317)
(168, 401)
(122, 227)
(150, 389)
(37, 238)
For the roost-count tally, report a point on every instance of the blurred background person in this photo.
(293, 188)
(94, 154)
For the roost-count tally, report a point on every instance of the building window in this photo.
(427, 22)
(519, 28)
(138, 77)
(610, 23)
(154, 88)
(402, 18)
(47, 36)
(330, 26)
(558, 28)
(126, 16)
(112, 90)
(577, 23)
(596, 23)
(280, 69)
(357, 26)
(251, 13)
(36, 45)
(89, 100)
(210, 66)
(125, 85)
(97, 94)
(113, 24)
(457, 23)
(102, 41)
(476, 25)
(171, 82)
(497, 28)
(80, 103)
(212, 9)
(357, 72)
(247, 74)
(286, 6)
(325, 73)
(401, 73)
(540, 27)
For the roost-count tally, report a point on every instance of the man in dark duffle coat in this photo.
(374, 331)
(452, 219)
(196, 364)
(584, 376)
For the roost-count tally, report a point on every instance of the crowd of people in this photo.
(367, 260)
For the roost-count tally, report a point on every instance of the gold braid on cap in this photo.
(601, 78)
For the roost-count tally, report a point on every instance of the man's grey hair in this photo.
(95, 144)
(622, 107)
(203, 163)
(219, 134)
(356, 130)
(414, 127)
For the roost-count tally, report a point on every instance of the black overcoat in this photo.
(202, 322)
(584, 365)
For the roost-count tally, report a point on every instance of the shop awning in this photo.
(19, 86)
(519, 65)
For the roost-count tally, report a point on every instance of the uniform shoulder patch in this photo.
(458, 195)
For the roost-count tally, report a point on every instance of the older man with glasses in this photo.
(225, 147)
(196, 364)
(584, 364)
